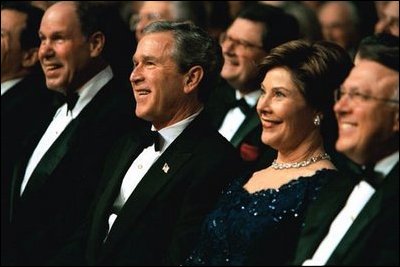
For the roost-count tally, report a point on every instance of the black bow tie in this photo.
(369, 175)
(70, 99)
(152, 137)
(242, 105)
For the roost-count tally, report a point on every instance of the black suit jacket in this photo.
(160, 221)
(373, 238)
(60, 190)
(247, 139)
(25, 106)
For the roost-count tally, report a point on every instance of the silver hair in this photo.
(193, 47)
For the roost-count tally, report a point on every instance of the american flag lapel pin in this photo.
(165, 168)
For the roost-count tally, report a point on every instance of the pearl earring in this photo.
(317, 120)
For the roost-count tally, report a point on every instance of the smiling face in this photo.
(64, 51)
(157, 83)
(240, 67)
(367, 130)
(287, 120)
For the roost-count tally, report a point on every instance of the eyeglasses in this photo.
(359, 98)
(241, 44)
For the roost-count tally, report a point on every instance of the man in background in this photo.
(250, 37)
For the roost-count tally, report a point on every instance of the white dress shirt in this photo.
(235, 117)
(7, 85)
(62, 119)
(358, 198)
(144, 161)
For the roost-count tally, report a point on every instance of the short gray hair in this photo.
(193, 47)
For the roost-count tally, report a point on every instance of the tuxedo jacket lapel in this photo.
(154, 180)
(319, 217)
(64, 143)
(381, 199)
(219, 104)
(126, 152)
(12, 98)
(249, 124)
(45, 167)
(330, 202)
(48, 163)
(369, 212)
(176, 155)
(28, 145)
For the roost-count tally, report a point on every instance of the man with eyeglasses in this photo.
(250, 37)
(356, 219)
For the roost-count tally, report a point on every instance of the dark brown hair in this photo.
(317, 69)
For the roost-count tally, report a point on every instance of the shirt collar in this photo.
(384, 166)
(5, 86)
(91, 88)
(170, 133)
(251, 98)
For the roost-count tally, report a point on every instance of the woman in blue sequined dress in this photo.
(259, 216)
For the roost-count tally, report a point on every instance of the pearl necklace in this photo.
(304, 163)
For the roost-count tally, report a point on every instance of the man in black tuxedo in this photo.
(25, 100)
(55, 180)
(26, 103)
(356, 222)
(157, 193)
(255, 31)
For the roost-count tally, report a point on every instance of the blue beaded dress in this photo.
(260, 228)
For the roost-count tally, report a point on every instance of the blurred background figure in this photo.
(314, 5)
(256, 30)
(379, 8)
(42, 4)
(309, 26)
(340, 24)
(24, 96)
(235, 7)
(26, 103)
(388, 13)
(218, 17)
(120, 42)
(178, 11)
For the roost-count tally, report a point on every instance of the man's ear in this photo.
(30, 57)
(97, 41)
(193, 79)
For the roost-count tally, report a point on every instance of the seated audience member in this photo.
(158, 186)
(340, 23)
(54, 181)
(389, 18)
(26, 103)
(356, 219)
(259, 217)
(232, 106)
